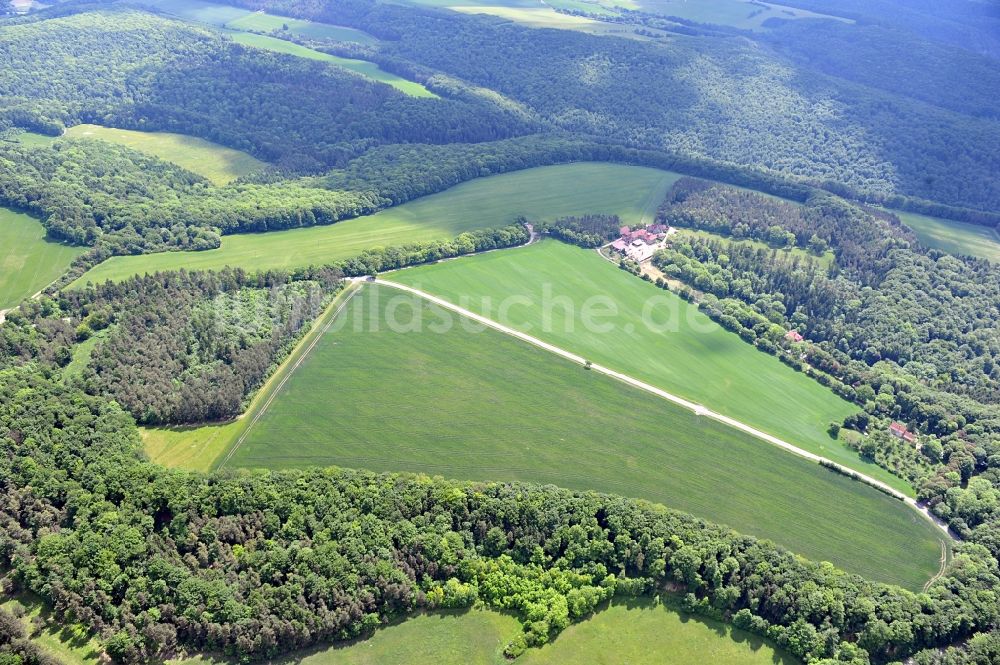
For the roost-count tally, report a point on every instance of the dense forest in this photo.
(718, 98)
(121, 68)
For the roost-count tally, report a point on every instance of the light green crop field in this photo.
(261, 22)
(34, 140)
(643, 632)
(221, 165)
(481, 405)
(543, 193)
(28, 262)
(363, 67)
(692, 356)
(953, 237)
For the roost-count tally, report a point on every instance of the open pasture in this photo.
(219, 164)
(363, 67)
(652, 335)
(262, 22)
(546, 192)
(638, 632)
(480, 405)
(237, 18)
(28, 262)
(953, 237)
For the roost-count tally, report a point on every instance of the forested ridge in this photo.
(713, 97)
(123, 68)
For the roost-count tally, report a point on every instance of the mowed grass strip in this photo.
(548, 288)
(28, 262)
(486, 406)
(546, 192)
(363, 67)
(219, 164)
(953, 237)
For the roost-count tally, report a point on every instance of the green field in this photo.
(643, 632)
(547, 192)
(736, 13)
(363, 67)
(226, 16)
(69, 645)
(485, 406)
(28, 262)
(261, 22)
(953, 237)
(697, 359)
(218, 163)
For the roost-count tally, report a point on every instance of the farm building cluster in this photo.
(641, 243)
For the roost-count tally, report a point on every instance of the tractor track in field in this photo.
(306, 351)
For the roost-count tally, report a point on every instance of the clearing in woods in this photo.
(363, 67)
(243, 27)
(481, 405)
(28, 262)
(543, 193)
(650, 334)
(637, 633)
(953, 237)
(221, 165)
(227, 16)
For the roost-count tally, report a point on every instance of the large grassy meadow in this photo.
(28, 262)
(953, 237)
(480, 405)
(367, 69)
(554, 286)
(262, 22)
(228, 16)
(221, 165)
(643, 632)
(546, 192)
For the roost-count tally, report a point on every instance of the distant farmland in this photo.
(699, 360)
(486, 406)
(28, 262)
(219, 164)
(546, 192)
(363, 67)
(953, 237)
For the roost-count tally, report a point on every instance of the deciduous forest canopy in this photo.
(799, 138)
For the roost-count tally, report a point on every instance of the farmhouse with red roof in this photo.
(900, 431)
(793, 336)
